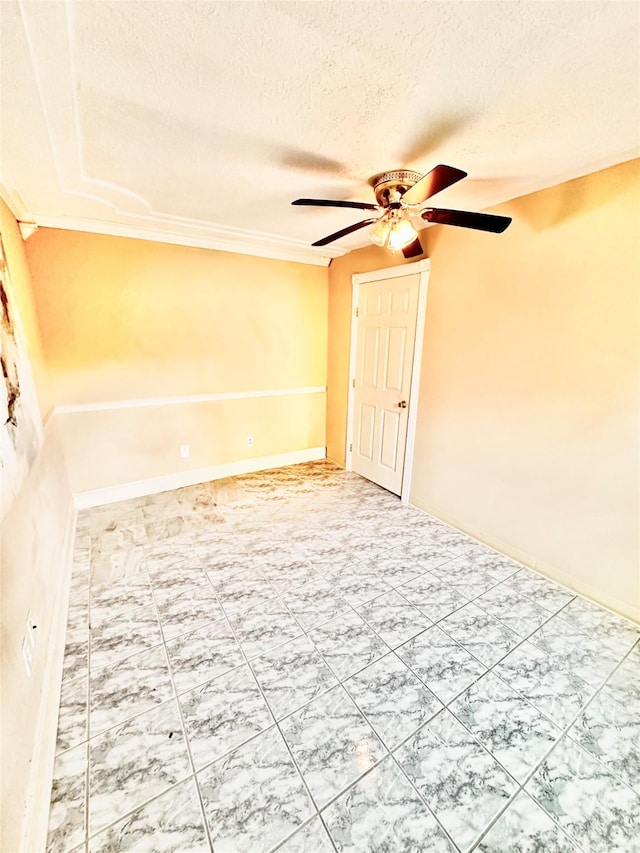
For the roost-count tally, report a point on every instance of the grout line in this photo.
(564, 733)
(176, 703)
(282, 737)
(288, 502)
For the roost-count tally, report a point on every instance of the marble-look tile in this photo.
(68, 794)
(80, 578)
(444, 666)
(481, 634)
(312, 838)
(596, 809)
(332, 744)
(291, 675)
(76, 653)
(169, 582)
(167, 556)
(112, 601)
(543, 591)
(160, 505)
(278, 552)
(393, 618)
(113, 566)
(394, 701)
(543, 680)
(254, 797)
(124, 636)
(612, 630)
(464, 786)
(611, 732)
(187, 609)
(361, 546)
(624, 684)
(515, 610)
(264, 627)
(314, 603)
(134, 762)
(129, 687)
(240, 592)
(525, 827)
(348, 644)
(222, 714)
(227, 556)
(433, 596)
(346, 569)
(582, 654)
(172, 823)
(382, 812)
(445, 536)
(78, 612)
(202, 518)
(359, 588)
(468, 579)
(203, 654)
(394, 568)
(322, 540)
(322, 549)
(288, 577)
(117, 535)
(110, 518)
(490, 561)
(74, 713)
(514, 732)
(172, 528)
(430, 555)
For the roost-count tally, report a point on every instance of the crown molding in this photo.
(15, 203)
(218, 238)
(122, 211)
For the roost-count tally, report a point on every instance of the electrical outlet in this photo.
(249, 441)
(185, 451)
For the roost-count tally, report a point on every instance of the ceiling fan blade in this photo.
(327, 202)
(438, 179)
(413, 249)
(343, 232)
(466, 219)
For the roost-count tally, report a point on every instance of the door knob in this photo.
(402, 404)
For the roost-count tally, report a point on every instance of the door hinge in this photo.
(351, 448)
(353, 383)
(356, 312)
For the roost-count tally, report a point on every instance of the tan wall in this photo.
(130, 445)
(528, 421)
(34, 574)
(124, 319)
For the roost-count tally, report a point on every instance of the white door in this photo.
(387, 314)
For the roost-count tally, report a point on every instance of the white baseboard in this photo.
(36, 815)
(140, 488)
(546, 570)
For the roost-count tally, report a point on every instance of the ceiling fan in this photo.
(400, 195)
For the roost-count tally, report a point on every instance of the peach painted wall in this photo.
(123, 319)
(529, 410)
(35, 538)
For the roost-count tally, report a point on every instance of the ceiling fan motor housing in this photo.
(389, 187)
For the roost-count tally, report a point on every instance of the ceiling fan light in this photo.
(380, 233)
(402, 233)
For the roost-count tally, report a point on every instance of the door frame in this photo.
(423, 268)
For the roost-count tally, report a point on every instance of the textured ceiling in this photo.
(200, 122)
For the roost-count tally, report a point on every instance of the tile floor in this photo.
(294, 661)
